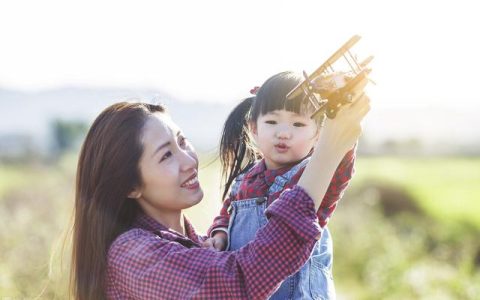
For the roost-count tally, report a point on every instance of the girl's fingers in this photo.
(208, 244)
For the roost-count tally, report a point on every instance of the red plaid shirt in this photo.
(149, 261)
(258, 180)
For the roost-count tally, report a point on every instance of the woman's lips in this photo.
(191, 182)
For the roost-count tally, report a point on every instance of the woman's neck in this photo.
(173, 220)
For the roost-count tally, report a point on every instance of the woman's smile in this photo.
(191, 183)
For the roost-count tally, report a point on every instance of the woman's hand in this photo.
(339, 135)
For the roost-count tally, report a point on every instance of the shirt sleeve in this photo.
(221, 221)
(337, 187)
(142, 265)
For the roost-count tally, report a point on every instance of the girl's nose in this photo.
(283, 133)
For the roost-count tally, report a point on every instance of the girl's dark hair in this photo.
(108, 170)
(237, 152)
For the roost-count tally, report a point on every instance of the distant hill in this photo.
(30, 114)
(434, 130)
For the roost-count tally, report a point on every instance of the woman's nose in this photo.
(189, 160)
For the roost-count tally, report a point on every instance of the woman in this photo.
(137, 173)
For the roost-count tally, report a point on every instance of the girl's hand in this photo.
(217, 242)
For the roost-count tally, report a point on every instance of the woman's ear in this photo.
(135, 194)
(317, 134)
(253, 128)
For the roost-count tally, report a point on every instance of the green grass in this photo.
(448, 189)
(374, 257)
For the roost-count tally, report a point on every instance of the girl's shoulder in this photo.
(255, 168)
(248, 172)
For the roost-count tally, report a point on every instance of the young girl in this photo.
(284, 137)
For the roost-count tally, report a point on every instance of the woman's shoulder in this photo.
(132, 234)
(132, 240)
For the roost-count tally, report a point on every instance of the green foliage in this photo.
(66, 134)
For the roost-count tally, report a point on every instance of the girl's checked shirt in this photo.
(258, 179)
(149, 261)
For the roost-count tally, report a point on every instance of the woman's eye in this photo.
(272, 122)
(299, 124)
(165, 156)
(182, 142)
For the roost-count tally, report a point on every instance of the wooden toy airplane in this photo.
(329, 100)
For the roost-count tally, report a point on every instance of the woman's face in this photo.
(168, 168)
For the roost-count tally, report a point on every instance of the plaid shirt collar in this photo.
(148, 223)
(260, 170)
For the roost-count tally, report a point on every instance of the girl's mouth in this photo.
(281, 147)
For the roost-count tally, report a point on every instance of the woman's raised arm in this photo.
(337, 137)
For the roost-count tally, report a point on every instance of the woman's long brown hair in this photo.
(107, 172)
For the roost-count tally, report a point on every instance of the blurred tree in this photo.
(408, 146)
(67, 134)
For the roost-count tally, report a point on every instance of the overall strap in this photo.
(281, 180)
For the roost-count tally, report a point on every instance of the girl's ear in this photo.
(135, 194)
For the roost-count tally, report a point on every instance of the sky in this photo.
(426, 52)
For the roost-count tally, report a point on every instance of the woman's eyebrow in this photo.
(165, 144)
(160, 148)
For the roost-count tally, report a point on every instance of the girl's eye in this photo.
(272, 122)
(299, 124)
(166, 156)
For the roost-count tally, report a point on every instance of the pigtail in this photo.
(236, 151)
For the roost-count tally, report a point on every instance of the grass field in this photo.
(434, 254)
(446, 188)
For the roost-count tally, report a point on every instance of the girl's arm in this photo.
(220, 222)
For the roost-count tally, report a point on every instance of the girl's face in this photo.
(168, 168)
(284, 137)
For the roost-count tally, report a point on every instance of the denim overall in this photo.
(314, 280)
